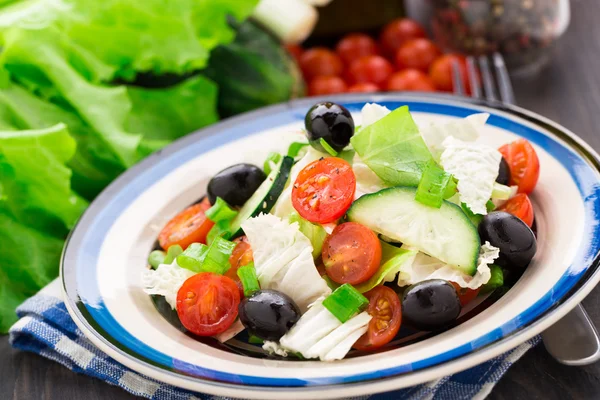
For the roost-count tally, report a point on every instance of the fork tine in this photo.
(488, 79)
(504, 85)
(473, 77)
(457, 81)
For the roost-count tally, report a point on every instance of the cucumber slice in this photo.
(265, 196)
(445, 233)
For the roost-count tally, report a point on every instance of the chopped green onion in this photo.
(314, 232)
(345, 302)
(247, 275)
(295, 149)
(172, 253)
(347, 155)
(490, 206)
(217, 256)
(220, 229)
(220, 211)
(271, 162)
(496, 280)
(156, 258)
(255, 340)
(432, 186)
(328, 147)
(451, 188)
(193, 257)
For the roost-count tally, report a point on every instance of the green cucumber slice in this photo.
(265, 196)
(445, 233)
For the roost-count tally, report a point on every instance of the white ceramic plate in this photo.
(107, 251)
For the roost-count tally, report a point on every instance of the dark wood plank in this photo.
(568, 91)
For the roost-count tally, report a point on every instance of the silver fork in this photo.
(573, 340)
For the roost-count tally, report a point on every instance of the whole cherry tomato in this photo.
(410, 80)
(417, 53)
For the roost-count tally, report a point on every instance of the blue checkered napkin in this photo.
(46, 328)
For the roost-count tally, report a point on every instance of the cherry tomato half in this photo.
(523, 163)
(320, 61)
(373, 69)
(187, 227)
(465, 295)
(397, 32)
(326, 85)
(351, 254)
(241, 255)
(354, 46)
(385, 308)
(520, 206)
(324, 190)
(441, 72)
(410, 79)
(207, 303)
(417, 53)
(365, 87)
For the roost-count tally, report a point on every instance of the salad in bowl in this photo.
(353, 233)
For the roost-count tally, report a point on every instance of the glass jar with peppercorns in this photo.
(522, 30)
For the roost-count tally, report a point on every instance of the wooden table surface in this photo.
(568, 91)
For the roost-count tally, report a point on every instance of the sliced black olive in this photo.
(268, 314)
(430, 305)
(503, 173)
(235, 184)
(330, 122)
(512, 236)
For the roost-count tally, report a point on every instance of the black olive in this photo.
(235, 184)
(430, 305)
(512, 236)
(330, 122)
(268, 314)
(503, 173)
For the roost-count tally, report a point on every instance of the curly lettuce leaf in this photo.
(36, 182)
(30, 260)
(136, 35)
(393, 148)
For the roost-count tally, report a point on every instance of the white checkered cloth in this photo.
(46, 328)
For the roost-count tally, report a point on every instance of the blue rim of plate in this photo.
(82, 246)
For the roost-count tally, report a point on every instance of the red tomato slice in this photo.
(295, 50)
(207, 303)
(385, 308)
(524, 164)
(241, 255)
(324, 190)
(187, 227)
(351, 254)
(465, 295)
(520, 206)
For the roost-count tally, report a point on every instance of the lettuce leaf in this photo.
(36, 182)
(136, 35)
(392, 260)
(393, 148)
(30, 260)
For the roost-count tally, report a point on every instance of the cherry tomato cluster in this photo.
(401, 59)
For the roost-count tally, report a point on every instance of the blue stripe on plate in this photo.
(584, 176)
